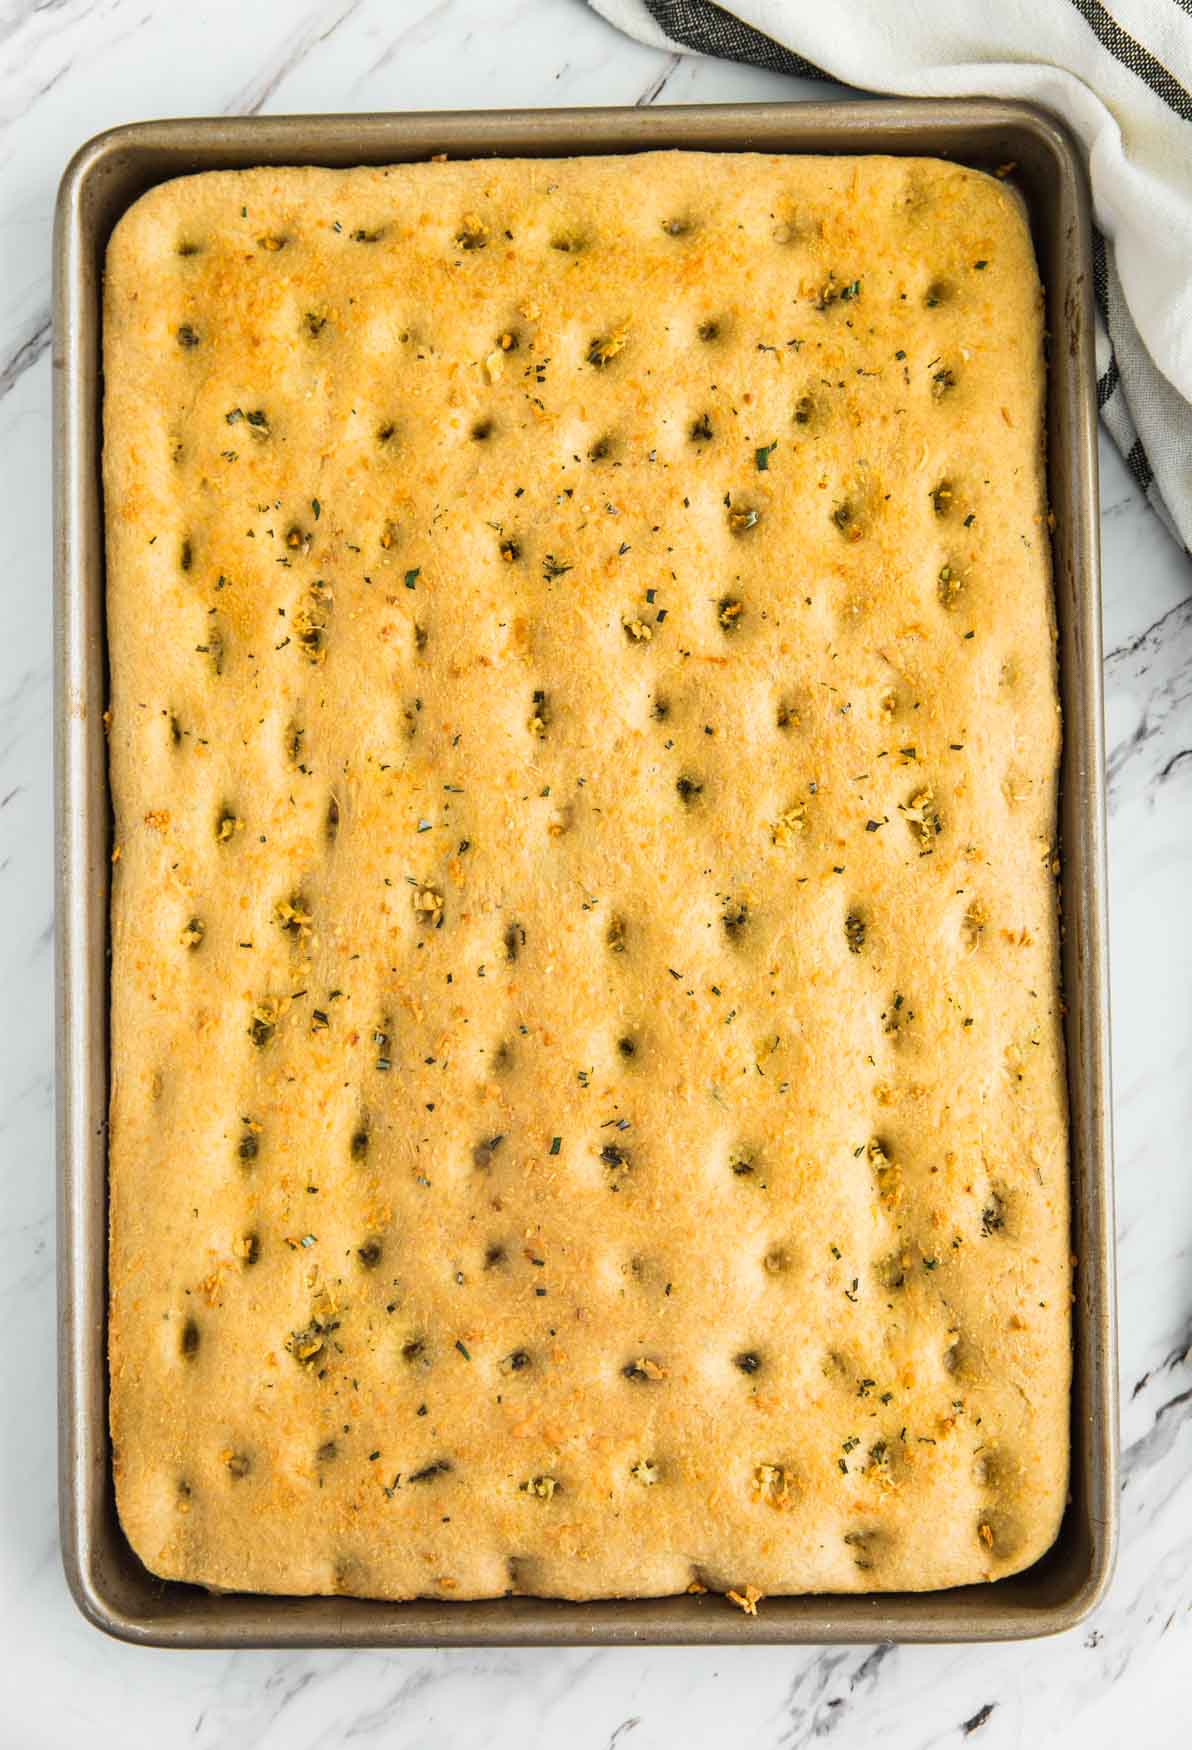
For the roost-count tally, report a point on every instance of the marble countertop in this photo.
(71, 67)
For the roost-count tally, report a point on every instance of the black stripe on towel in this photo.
(1107, 384)
(1135, 57)
(1138, 465)
(1100, 278)
(701, 25)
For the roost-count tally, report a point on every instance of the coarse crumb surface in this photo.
(587, 1085)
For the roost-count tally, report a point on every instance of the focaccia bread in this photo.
(588, 1104)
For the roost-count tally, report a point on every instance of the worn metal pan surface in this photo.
(106, 176)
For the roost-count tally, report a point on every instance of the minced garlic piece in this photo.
(472, 233)
(922, 816)
(602, 350)
(790, 822)
(973, 925)
(543, 1488)
(644, 1368)
(292, 915)
(748, 1600)
(427, 903)
(645, 1472)
(264, 1017)
(773, 1484)
(638, 630)
(949, 585)
(889, 1178)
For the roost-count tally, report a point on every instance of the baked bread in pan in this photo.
(588, 1105)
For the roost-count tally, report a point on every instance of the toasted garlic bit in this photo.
(193, 934)
(306, 1345)
(643, 1367)
(291, 915)
(740, 520)
(310, 621)
(542, 1488)
(607, 347)
(789, 824)
(748, 1600)
(638, 631)
(264, 1018)
(774, 1485)
(889, 1179)
(645, 1472)
(973, 924)
(494, 364)
(472, 233)
(428, 903)
(949, 585)
(922, 816)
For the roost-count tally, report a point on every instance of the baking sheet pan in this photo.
(110, 1585)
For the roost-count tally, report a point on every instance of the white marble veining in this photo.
(71, 67)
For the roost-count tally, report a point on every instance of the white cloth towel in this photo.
(1122, 80)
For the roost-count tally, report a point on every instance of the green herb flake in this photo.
(762, 456)
(556, 1143)
(980, 265)
(317, 508)
(413, 576)
(462, 1349)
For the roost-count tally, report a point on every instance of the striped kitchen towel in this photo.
(1121, 80)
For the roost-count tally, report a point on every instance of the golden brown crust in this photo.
(587, 1085)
